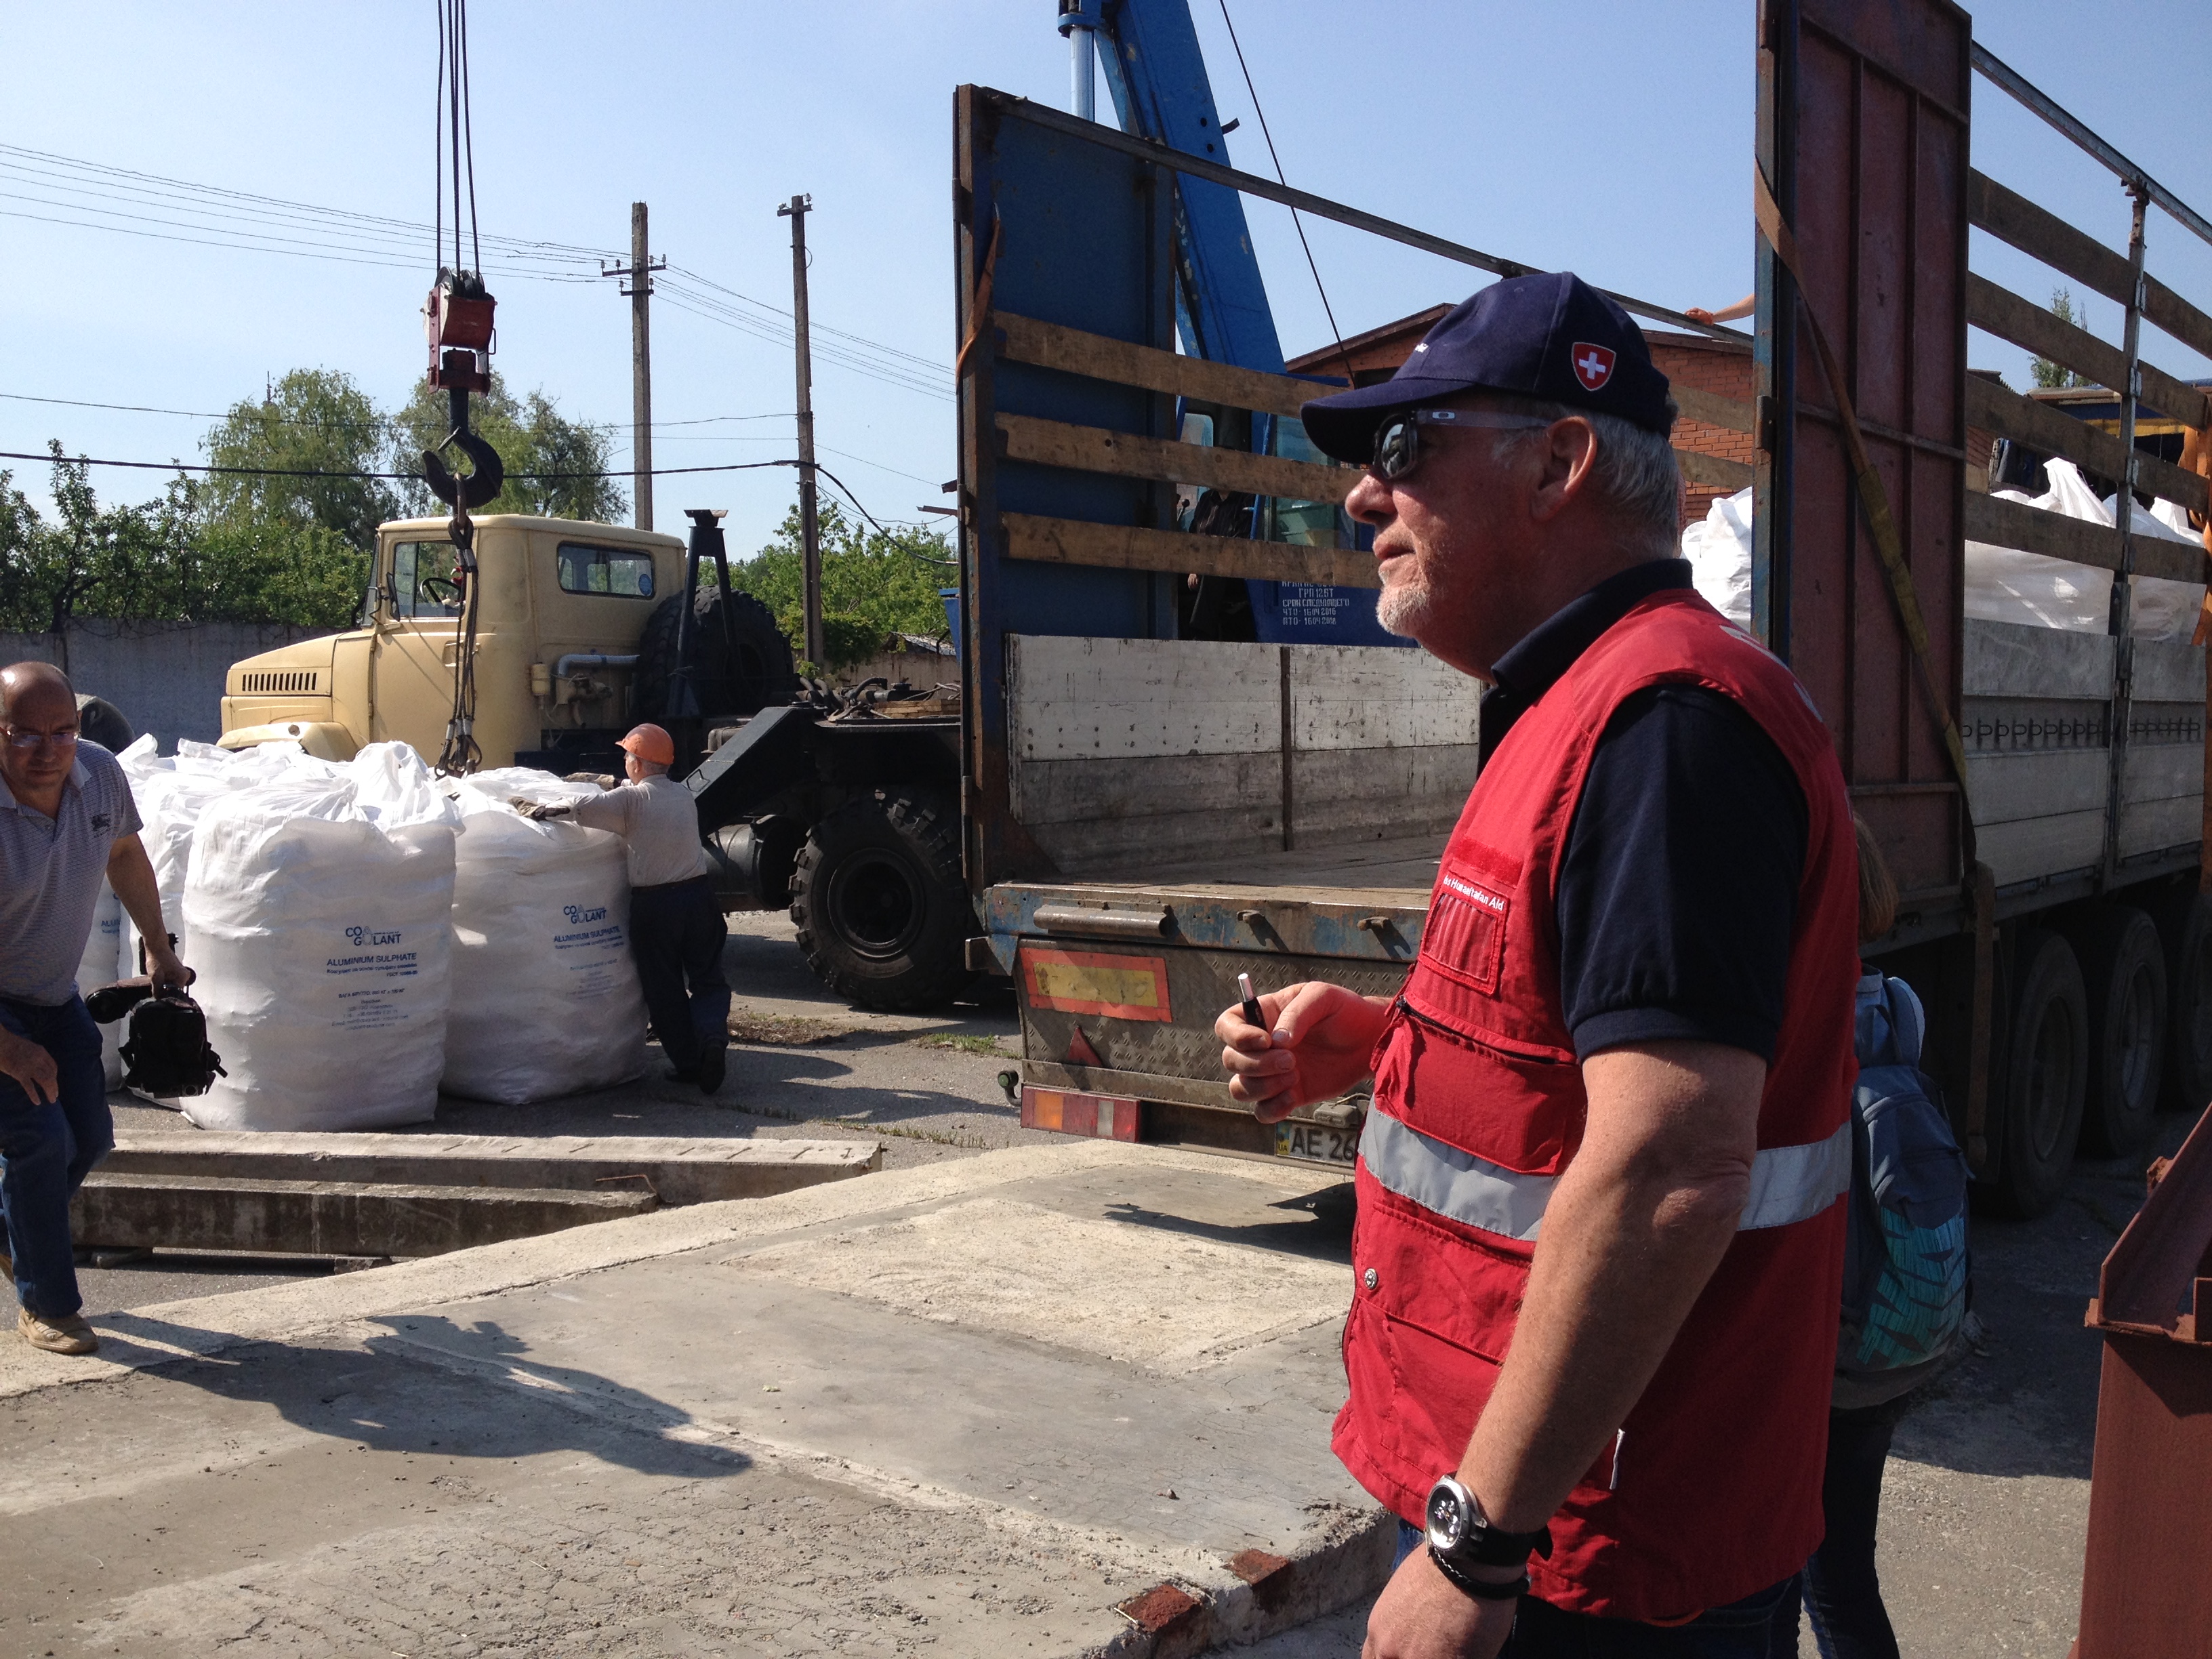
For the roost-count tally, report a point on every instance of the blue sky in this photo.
(1609, 138)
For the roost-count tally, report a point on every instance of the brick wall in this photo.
(1723, 368)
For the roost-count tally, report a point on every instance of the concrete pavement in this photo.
(976, 1406)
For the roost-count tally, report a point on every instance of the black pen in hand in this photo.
(1253, 1016)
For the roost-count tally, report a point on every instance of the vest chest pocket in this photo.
(1464, 938)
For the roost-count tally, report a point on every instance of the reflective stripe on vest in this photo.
(1788, 1183)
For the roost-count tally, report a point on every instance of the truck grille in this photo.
(280, 680)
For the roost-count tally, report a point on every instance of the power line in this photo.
(316, 472)
(389, 422)
(1295, 224)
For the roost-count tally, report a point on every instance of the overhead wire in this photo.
(1297, 224)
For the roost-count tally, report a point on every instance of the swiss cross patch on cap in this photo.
(1593, 364)
(1549, 336)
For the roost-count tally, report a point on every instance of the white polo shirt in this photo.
(50, 869)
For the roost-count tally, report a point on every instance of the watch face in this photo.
(1447, 1518)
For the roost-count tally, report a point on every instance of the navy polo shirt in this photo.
(1678, 888)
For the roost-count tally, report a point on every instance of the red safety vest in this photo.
(1711, 1490)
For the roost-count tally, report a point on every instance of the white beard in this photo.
(1403, 607)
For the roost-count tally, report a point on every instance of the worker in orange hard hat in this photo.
(676, 927)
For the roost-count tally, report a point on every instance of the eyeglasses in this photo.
(1398, 443)
(24, 742)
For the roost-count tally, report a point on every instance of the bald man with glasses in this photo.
(67, 819)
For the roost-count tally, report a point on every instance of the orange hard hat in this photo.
(650, 742)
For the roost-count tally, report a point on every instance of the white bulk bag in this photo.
(546, 999)
(103, 949)
(323, 941)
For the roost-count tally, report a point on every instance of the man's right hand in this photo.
(1316, 1047)
(32, 1067)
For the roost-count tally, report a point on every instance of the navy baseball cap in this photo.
(1550, 336)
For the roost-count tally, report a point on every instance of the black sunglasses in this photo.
(1398, 442)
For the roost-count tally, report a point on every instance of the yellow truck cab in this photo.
(562, 606)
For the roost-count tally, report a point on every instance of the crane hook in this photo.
(484, 481)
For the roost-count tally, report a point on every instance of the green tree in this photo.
(313, 420)
(874, 584)
(2056, 376)
(165, 561)
(532, 436)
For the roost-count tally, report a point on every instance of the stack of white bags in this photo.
(365, 934)
(2002, 583)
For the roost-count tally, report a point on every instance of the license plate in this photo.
(1315, 1145)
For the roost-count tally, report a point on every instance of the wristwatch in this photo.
(1461, 1536)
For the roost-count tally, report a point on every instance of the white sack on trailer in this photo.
(323, 939)
(546, 999)
(2003, 584)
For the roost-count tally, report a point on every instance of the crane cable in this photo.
(455, 146)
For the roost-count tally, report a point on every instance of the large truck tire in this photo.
(2185, 923)
(760, 675)
(2123, 971)
(2047, 1077)
(882, 909)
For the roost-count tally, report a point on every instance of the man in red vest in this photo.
(1599, 1250)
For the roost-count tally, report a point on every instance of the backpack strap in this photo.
(1908, 1021)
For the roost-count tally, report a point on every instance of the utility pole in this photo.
(810, 526)
(638, 275)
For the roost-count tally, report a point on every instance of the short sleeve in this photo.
(1677, 894)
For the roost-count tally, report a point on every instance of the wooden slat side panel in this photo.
(1088, 815)
(1730, 414)
(2041, 427)
(1072, 350)
(1167, 460)
(1125, 547)
(1717, 471)
(2009, 317)
(2032, 530)
(2041, 234)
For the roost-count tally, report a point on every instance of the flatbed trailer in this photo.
(1148, 815)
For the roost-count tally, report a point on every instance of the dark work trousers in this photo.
(1739, 1631)
(1843, 1597)
(46, 1151)
(676, 934)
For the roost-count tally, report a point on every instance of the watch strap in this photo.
(1493, 1548)
(1482, 1589)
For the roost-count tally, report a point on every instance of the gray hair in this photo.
(1634, 479)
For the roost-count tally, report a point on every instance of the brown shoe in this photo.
(67, 1334)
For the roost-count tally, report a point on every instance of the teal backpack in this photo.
(1905, 1265)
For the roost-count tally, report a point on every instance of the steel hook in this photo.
(488, 476)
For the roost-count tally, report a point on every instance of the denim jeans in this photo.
(1739, 1631)
(46, 1151)
(1842, 1594)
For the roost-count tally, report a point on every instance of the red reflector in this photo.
(1109, 1117)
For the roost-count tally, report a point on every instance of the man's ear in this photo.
(1566, 452)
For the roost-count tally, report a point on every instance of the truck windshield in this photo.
(423, 579)
(1304, 524)
(624, 572)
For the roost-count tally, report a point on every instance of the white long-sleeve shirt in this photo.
(659, 821)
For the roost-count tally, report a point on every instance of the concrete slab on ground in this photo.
(973, 1406)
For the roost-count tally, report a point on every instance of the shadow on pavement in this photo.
(432, 1384)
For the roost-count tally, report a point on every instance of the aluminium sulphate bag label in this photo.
(546, 999)
(324, 943)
